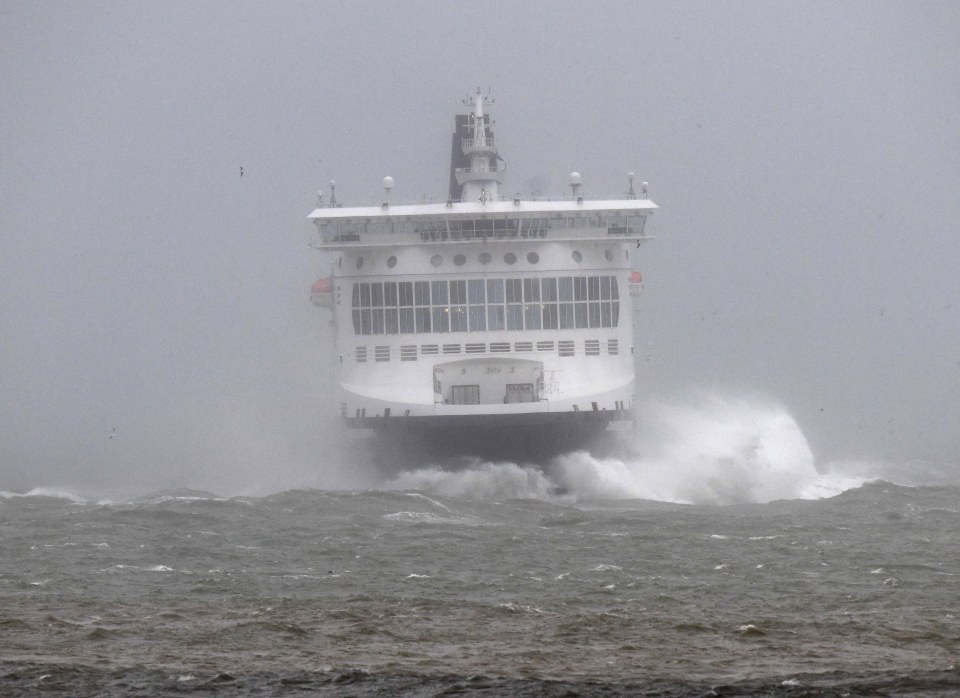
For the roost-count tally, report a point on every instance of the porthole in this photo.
(510, 258)
(608, 253)
(392, 262)
(533, 257)
(485, 258)
(459, 260)
(577, 257)
(359, 262)
(436, 260)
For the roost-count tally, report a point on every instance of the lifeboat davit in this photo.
(321, 293)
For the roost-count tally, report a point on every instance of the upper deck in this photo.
(487, 221)
(475, 210)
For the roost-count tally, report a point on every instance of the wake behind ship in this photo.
(482, 325)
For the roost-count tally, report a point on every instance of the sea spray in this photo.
(713, 450)
(480, 480)
(717, 451)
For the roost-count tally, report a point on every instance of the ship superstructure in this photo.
(485, 323)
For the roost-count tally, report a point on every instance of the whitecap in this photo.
(435, 503)
(417, 516)
(515, 607)
(482, 481)
(46, 492)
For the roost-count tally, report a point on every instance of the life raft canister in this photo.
(321, 293)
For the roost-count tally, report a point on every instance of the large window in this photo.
(477, 305)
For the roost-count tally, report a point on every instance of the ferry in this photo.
(483, 325)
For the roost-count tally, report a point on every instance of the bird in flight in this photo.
(241, 171)
(113, 432)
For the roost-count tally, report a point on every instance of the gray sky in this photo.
(806, 156)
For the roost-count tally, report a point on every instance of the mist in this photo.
(802, 293)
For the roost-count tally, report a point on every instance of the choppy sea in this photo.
(597, 577)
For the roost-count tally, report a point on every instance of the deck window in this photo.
(479, 305)
(458, 318)
(478, 318)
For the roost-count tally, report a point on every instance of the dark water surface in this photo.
(402, 593)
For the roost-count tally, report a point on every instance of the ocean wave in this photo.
(46, 492)
(710, 450)
(481, 480)
(416, 517)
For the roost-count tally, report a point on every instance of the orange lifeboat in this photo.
(321, 293)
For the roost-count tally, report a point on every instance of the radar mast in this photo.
(481, 181)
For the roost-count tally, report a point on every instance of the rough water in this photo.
(725, 564)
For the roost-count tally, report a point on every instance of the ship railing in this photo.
(440, 235)
(531, 198)
(461, 229)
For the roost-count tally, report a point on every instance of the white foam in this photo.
(53, 493)
(484, 481)
(514, 607)
(716, 451)
(705, 450)
(416, 516)
(710, 451)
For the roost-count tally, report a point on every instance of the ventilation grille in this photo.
(564, 347)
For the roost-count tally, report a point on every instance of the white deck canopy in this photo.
(492, 209)
(417, 224)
